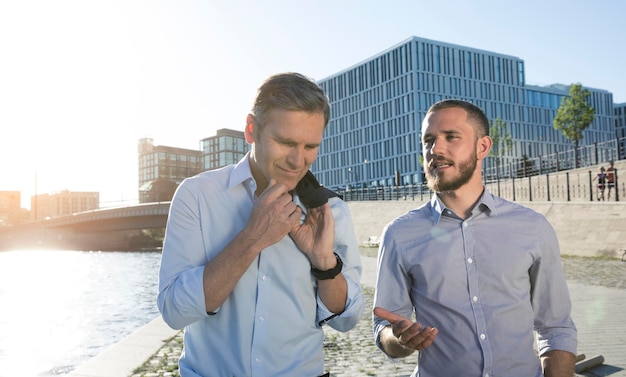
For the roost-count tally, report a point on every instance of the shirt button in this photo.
(482, 336)
(470, 260)
(261, 318)
(465, 225)
(265, 278)
(474, 298)
(257, 360)
(486, 374)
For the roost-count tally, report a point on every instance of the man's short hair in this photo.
(289, 91)
(474, 113)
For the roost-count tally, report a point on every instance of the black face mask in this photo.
(311, 193)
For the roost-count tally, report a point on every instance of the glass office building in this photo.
(225, 148)
(373, 137)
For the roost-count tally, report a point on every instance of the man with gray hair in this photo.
(258, 256)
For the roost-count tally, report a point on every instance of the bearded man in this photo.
(468, 278)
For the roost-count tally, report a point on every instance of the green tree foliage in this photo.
(574, 115)
(502, 141)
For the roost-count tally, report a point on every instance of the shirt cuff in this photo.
(354, 306)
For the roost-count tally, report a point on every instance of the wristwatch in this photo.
(328, 274)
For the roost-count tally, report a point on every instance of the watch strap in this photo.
(328, 274)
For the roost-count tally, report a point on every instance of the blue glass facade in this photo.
(377, 107)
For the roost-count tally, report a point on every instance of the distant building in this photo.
(225, 148)
(162, 167)
(55, 204)
(373, 137)
(11, 212)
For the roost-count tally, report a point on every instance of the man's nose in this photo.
(436, 147)
(296, 157)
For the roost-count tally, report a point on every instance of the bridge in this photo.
(108, 229)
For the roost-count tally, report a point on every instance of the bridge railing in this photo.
(144, 209)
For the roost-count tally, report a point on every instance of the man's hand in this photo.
(274, 214)
(406, 336)
(316, 236)
(557, 363)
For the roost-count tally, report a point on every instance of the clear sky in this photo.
(82, 81)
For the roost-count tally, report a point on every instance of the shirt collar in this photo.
(242, 174)
(486, 203)
(436, 207)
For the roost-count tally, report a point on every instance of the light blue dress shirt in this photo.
(271, 324)
(486, 283)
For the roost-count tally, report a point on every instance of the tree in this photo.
(502, 142)
(574, 116)
(159, 190)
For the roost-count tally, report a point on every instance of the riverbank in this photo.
(597, 287)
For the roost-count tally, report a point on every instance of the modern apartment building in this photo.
(162, 168)
(55, 204)
(225, 148)
(11, 212)
(373, 137)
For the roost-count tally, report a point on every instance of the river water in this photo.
(60, 308)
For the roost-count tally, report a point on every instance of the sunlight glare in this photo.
(44, 285)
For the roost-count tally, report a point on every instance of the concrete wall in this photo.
(584, 229)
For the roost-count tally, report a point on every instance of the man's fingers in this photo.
(274, 189)
(421, 340)
(387, 315)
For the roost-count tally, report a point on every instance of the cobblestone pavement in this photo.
(350, 354)
(353, 354)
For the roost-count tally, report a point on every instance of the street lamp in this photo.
(349, 179)
(367, 172)
(367, 178)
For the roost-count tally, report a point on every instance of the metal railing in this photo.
(575, 185)
(419, 192)
(587, 155)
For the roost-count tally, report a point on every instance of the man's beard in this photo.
(437, 183)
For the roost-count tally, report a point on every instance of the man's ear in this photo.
(483, 146)
(250, 131)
